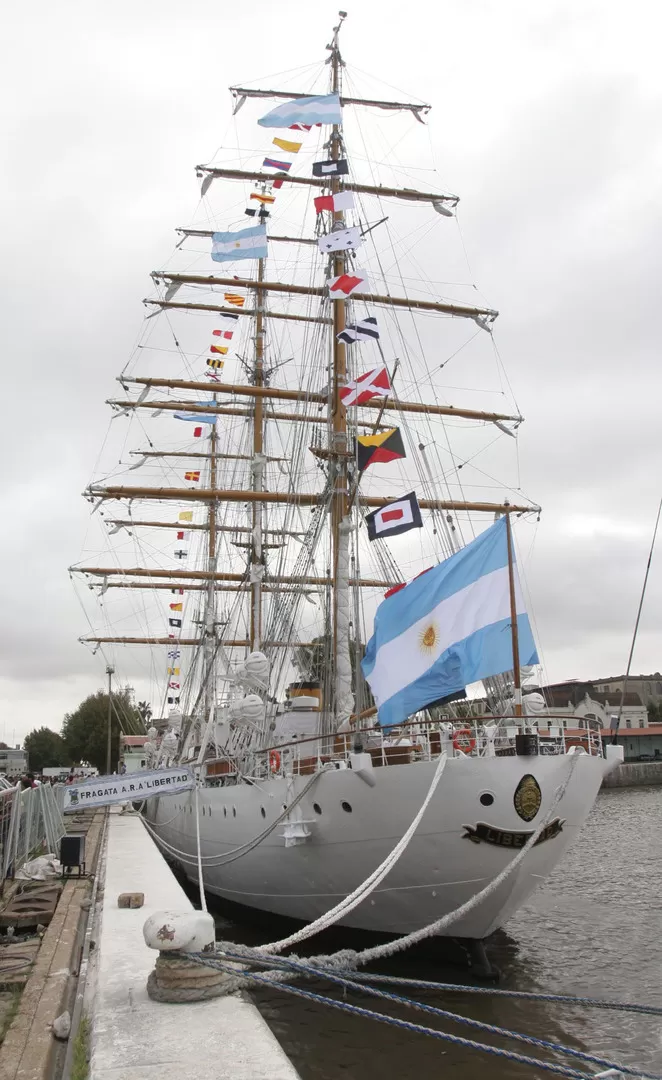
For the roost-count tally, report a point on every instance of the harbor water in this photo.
(593, 929)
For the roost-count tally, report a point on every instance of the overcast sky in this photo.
(546, 120)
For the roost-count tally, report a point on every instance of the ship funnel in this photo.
(310, 692)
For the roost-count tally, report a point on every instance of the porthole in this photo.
(486, 798)
(263, 811)
(234, 811)
(346, 807)
(317, 808)
(284, 806)
(225, 811)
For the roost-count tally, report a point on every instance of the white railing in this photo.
(548, 735)
(31, 823)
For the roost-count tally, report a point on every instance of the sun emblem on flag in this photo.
(428, 638)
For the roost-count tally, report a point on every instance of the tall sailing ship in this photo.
(328, 584)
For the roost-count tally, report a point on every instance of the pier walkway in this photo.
(135, 1038)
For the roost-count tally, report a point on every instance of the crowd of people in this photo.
(29, 780)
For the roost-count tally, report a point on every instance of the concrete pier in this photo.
(133, 1036)
(635, 774)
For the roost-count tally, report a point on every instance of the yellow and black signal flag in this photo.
(385, 446)
(213, 363)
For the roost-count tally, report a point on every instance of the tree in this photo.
(145, 711)
(85, 731)
(45, 748)
(312, 662)
(654, 712)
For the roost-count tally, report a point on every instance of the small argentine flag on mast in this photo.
(304, 110)
(447, 629)
(245, 244)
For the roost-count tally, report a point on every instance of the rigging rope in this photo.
(234, 853)
(341, 979)
(170, 993)
(367, 887)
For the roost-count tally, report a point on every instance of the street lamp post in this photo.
(110, 671)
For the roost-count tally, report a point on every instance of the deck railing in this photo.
(422, 740)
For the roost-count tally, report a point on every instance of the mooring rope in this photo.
(364, 890)
(185, 994)
(348, 903)
(180, 977)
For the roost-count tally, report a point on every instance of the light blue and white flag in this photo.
(446, 629)
(305, 110)
(198, 417)
(245, 244)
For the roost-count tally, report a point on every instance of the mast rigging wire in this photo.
(636, 625)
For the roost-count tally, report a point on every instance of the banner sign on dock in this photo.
(103, 790)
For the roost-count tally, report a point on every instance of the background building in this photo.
(648, 687)
(132, 752)
(584, 699)
(13, 762)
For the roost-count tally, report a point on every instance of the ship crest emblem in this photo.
(527, 797)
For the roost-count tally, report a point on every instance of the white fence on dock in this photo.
(31, 824)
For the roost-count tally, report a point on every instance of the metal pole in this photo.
(517, 683)
(636, 626)
(110, 671)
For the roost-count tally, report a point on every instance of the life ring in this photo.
(464, 740)
(274, 760)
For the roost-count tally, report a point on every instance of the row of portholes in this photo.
(345, 805)
(316, 807)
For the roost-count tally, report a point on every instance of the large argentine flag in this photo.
(447, 628)
(245, 244)
(305, 110)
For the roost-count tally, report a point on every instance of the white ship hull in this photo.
(441, 868)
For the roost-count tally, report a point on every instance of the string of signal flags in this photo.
(299, 115)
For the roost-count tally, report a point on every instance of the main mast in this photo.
(257, 473)
(209, 631)
(343, 701)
